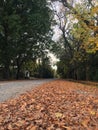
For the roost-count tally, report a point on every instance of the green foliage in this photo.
(62, 69)
(24, 31)
(40, 68)
(44, 68)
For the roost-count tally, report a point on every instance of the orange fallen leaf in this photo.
(33, 128)
(10, 127)
(96, 101)
(85, 122)
(1, 118)
(67, 128)
(55, 105)
(20, 123)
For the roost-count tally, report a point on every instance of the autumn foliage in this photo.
(59, 105)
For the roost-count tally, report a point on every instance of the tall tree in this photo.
(87, 16)
(78, 25)
(24, 27)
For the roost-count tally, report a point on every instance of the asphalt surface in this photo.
(13, 89)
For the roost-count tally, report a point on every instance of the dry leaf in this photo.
(92, 112)
(33, 128)
(67, 128)
(58, 115)
(56, 105)
(85, 122)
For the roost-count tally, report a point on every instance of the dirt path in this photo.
(13, 89)
(58, 105)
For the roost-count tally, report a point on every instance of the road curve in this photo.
(12, 89)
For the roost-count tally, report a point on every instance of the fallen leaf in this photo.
(31, 127)
(34, 128)
(1, 118)
(85, 122)
(67, 128)
(52, 106)
(58, 115)
(20, 123)
(10, 127)
(92, 112)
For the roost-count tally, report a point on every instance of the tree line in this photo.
(26, 30)
(25, 34)
(78, 45)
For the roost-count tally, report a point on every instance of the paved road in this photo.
(15, 88)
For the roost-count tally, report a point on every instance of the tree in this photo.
(77, 42)
(72, 52)
(44, 67)
(24, 28)
(87, 17)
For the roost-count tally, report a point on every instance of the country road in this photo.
(12, 89)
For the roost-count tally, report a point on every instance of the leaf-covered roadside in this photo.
(59, 105)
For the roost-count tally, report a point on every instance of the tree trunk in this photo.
(87, 73)
(18, 69)
(18, 72)
(7, 71)
(6, 54)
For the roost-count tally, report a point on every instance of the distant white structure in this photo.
(27, 74)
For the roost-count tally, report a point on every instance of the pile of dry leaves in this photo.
(59, 105)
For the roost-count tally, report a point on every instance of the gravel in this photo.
(12, 89)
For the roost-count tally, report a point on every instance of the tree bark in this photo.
(18, 72)
(87, 73)
(6, 54)
(18, 69)
(7, 71)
